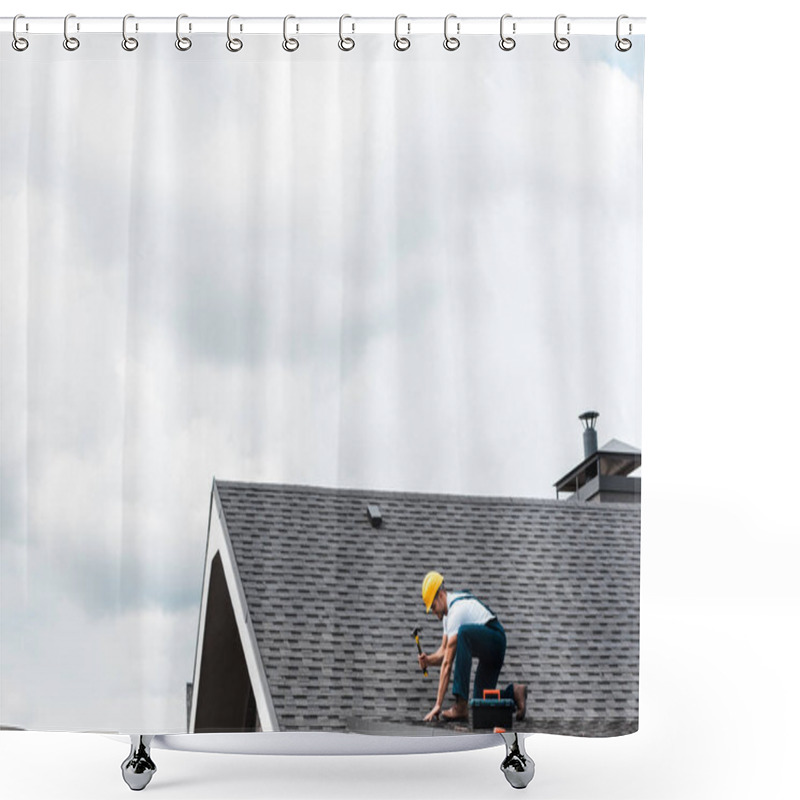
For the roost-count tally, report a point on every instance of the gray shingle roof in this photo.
(333, 601)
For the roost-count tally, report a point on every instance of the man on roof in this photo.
(471, 630)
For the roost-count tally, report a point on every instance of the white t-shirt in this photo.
(468, 611)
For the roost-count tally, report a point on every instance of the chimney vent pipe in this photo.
(589, 420)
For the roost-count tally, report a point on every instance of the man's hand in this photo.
(423, 661)
(433, 713)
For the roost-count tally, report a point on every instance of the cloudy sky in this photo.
(373, 269)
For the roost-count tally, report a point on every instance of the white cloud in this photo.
(67, 669)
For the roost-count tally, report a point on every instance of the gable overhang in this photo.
(218, 541)
(605, 463)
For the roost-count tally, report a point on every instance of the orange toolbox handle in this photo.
(489, 693)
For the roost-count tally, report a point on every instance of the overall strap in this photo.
(470, 596)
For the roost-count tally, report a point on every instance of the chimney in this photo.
(604, 474)
(589, 420)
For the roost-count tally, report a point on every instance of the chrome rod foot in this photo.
(518, 766)
(138, 768)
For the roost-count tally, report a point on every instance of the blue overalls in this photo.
(487, 643)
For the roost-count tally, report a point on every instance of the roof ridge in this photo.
(397, 493)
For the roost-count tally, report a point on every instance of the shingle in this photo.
(333, 601)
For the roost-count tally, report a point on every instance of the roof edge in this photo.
(389, 493)
(580, 467)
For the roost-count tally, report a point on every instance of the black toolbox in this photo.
(492, 711)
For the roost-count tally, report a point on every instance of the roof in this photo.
(616, 446)
(333, 601)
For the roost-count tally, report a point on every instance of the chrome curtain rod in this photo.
(460, 26)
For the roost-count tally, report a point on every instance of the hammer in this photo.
(415, 634)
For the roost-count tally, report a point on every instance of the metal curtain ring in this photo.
(506, 42)
(346, 43)
(561, 43)
(70, 42)
(234, 45)
(401, 42)
(451, 42)
(623, 45)
(18, 42)
(182, 42)
(289, 45)
(129, 43)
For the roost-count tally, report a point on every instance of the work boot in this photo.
(520, 698)
(460, 710)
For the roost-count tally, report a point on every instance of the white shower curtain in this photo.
(379, 270)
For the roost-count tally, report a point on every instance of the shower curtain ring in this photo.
(346, 43)
(623, 45)
(401, 42)
(18, 42)
(234, 45)
(561, 43)
(129, 43)
(451, 42)
(289, 45)
(507, 42)
(182, 42)
(70, 42)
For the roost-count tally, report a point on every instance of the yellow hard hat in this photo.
(430, 585)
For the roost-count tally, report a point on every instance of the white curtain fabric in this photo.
(396, 270)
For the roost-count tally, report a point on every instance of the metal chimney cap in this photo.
(589, 418)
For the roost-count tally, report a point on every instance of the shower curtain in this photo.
(291, 337)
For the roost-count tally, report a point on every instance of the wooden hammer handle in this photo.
(419, 647)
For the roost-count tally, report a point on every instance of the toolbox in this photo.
(492, 711)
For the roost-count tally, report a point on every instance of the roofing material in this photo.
(332, 601)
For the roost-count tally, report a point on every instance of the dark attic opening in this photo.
(225, 699)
